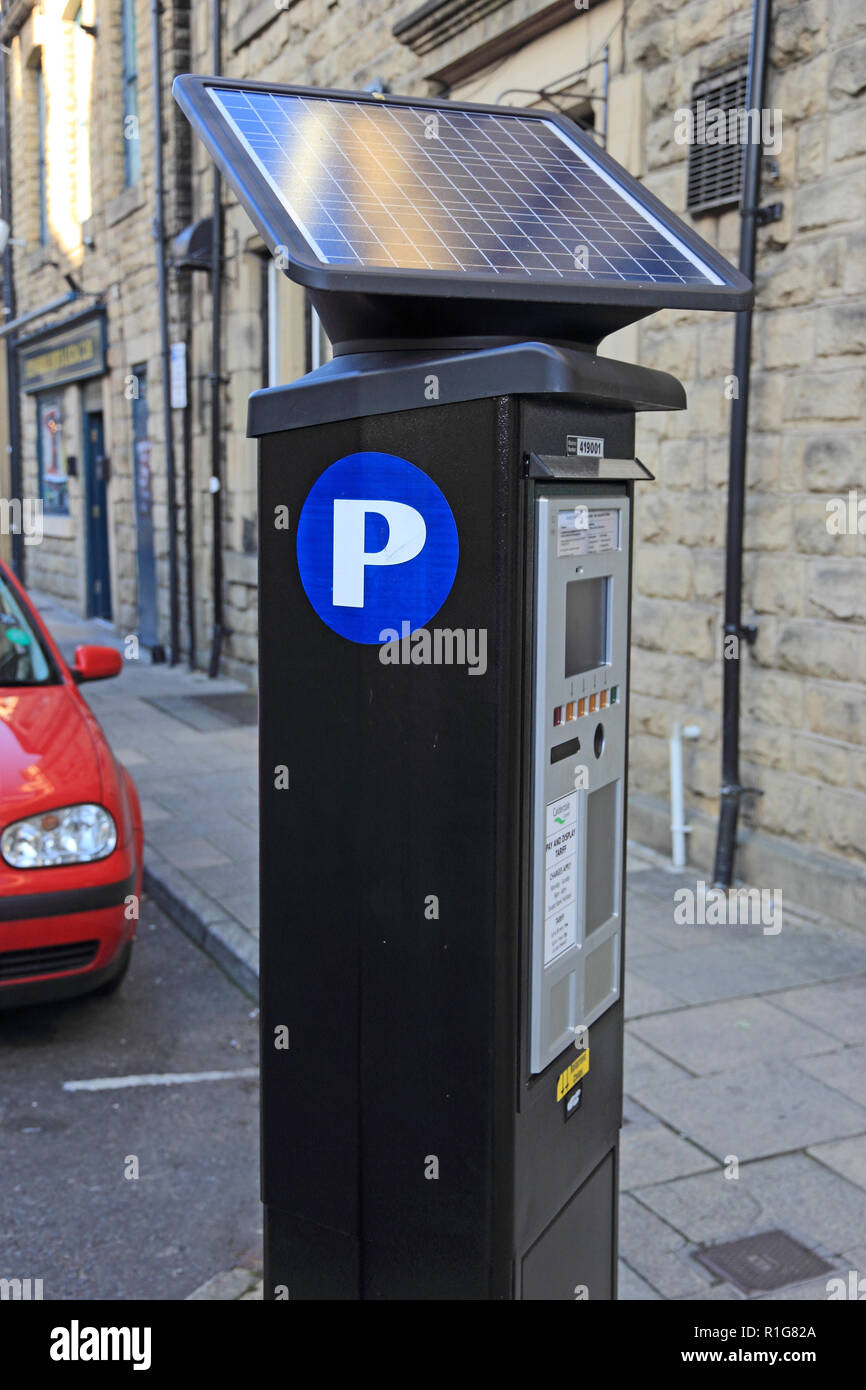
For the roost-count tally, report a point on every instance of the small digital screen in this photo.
(587, 618)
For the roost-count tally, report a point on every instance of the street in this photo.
(145, 1191)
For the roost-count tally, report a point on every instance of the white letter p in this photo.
(407, 534)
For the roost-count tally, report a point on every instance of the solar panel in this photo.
(371, 184)
(393, 211)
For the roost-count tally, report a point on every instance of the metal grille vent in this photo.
(47, 960)
(715, 173)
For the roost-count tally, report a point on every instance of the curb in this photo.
(222, 937)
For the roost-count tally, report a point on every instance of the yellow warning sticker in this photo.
(570, 1077)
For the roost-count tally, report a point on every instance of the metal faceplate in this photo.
(581, 627)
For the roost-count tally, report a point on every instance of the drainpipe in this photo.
(165, 350)
(215, 377)
(16, 481)
(750, 215)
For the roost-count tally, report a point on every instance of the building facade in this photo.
(634, 72)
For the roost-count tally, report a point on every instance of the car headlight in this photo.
(70, 835)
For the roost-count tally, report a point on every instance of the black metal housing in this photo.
(408, 1038)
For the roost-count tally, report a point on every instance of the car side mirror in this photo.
(96, 664)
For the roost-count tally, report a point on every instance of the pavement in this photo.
(745, 1056)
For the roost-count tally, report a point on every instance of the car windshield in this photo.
(23, 659)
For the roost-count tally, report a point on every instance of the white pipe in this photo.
(679, 829)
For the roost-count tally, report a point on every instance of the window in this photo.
(82, 67)
(292, 338)
(132, 145)
(41, 161)
(53, 474)
(715, 174)
(318, 348)
(23, 659)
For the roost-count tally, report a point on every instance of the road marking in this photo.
(156, 1078)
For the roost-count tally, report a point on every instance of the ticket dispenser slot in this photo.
(581, 659)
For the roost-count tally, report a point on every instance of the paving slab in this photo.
(730, 1035)
(845, 1071)
(645, 1066)
(653, 1154)
(846, 1157)
(723, 969)
(631, 1287)
(642, 998)
(794, 1193)
(767, 1109)
(840, 1007)
(657, 1252)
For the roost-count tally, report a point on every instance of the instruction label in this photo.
(586, 531)
(560, 871)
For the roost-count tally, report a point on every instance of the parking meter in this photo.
(446, 520)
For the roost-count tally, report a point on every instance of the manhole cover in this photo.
(759, 1264)
(210, 713)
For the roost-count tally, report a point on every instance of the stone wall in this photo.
(803, 725)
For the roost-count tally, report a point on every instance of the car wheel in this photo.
(113, 985)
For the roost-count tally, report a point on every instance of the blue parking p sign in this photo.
(377, 546)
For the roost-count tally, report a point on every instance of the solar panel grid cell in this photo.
(373, 185)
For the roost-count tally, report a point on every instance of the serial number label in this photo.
(582, 447)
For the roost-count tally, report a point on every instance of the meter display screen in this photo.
(587, 620)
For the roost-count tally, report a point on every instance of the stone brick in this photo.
(841, 330)
(777, 585)
(847, 137)
(700, 23)
(838, 590)
(768, 523)
(801, 90)
(766, 400)
(844, 824)
(836, 711)
(831, 202)
(847, 18)
(799, 31)
(789, 806)
(837, 395)
(716, 349)
(848, 72)
(817, 650)
(682, 463)
(855, 262)
(788, 338)
(653, 44)
(788, 280)
(765, 746)
(822, 760)
(833, 462)
(664, 572)
(701, 521)
(709, 577)
(830, 266)
(811, 153)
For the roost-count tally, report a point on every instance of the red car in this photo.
(70, 822)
